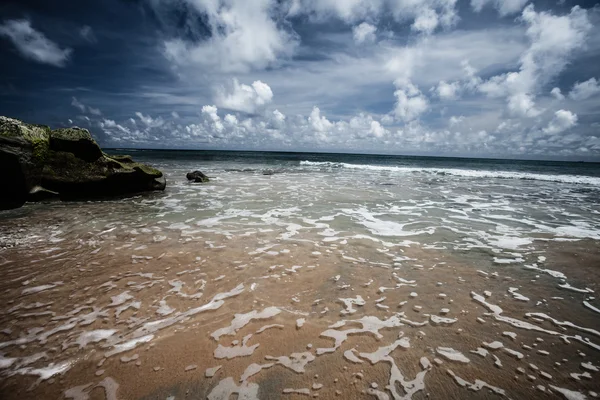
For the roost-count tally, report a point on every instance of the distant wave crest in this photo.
(468, 173)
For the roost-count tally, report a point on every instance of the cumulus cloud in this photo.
(504, 7)
(553, 40)
(447, 91)
(211, 112)
(454, 120)
(426, 21)
(34, 45)
(245, 98)
(149, 121)
(319, 123)
(230, 120)
(244, 36)
(110, 125)
(364, 33)
(562, 121)
(522, 105)
(278, 119)
(410, 103)
(377, 130)
(585, 90)
(426, 15)
(557, 94)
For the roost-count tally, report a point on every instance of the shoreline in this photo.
(188, 343)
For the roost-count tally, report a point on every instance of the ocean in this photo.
(309, 274)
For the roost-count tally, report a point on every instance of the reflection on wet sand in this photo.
(143, 312)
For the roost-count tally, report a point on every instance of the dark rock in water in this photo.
(197, 176)
(38, 163)
(273, 171)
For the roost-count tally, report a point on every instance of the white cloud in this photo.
(364, 33)
(319, 123)
(562, 121)
(426, 15)
(522, 105)
(447, 91)
(110, 126)
(230, 120)
(504, 7)
(244, 36)
(33, 44)
(211, 112)
(83, 108)
(454, 120)
(278, 119)
(553, 40)
(557, 94)
(410, 103)
(77, 104)
(149, 121)
(246, 98)
(175, 114)
(95, 111)
(377, 130)
(426, 21)
(585, 90)
(347, 10)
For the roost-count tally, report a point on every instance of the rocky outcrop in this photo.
(38, 163)
(77, 141)
(197, 176)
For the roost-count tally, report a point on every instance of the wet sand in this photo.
(142, 314)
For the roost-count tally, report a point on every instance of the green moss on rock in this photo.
(73, 133)
(38, 136)
(77, 141)
(67, 161)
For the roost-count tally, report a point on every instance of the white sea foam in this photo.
(467, 173)
(241, 320)
(452, 355)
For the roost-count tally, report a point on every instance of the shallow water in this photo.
(330, 276)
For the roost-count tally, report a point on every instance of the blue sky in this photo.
(488, 78)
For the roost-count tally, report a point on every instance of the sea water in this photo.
(300, 274)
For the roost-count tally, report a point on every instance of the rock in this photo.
(75, 178)
(23, 151)
(39, 163)
(197, 176)
(77, 141)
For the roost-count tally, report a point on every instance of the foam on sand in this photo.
(241, 320)
(452, 355)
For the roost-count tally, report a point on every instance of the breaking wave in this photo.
(468, 173)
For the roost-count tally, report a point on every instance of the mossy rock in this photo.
(35, 136)
(74, 177)
(23, 151)
(77, 141)
(68, 161)
(125, 159)
(197, 176)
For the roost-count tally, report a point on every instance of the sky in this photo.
(476, 78)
